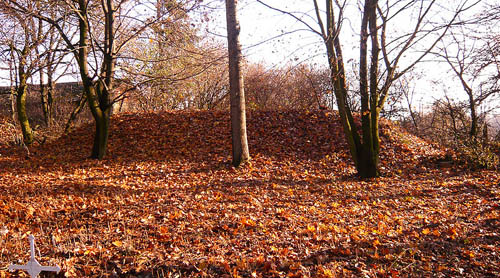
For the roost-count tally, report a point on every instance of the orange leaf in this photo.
(117, 243)
(163, 230)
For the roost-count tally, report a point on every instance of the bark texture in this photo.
(237, 94)
(22, 89)
(364, 143)
(98, 91)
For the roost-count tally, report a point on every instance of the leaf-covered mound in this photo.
(204, 137)
(167, 202)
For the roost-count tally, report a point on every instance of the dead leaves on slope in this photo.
(166, 202)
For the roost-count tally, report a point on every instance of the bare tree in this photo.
(22, 38)
(463, 56)
(52, 66)
(8, 57)
(382, 60)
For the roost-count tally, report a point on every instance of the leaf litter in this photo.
(166, 202)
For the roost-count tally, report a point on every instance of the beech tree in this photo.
(385, 55)
(175, 69)
(236, 87)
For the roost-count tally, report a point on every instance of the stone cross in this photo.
(33, 267)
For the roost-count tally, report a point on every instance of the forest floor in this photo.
(166, 202)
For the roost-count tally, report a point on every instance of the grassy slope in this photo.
(167, 200)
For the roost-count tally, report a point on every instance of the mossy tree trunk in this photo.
(21, 91)
(364, 142)
(100, 107)
(98, 91)
(22, 115)
(375, 51)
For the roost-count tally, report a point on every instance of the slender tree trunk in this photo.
(13, 80)
(50, 100)
(413, 115)
(473, 118)
(44, 102)
(337, 74)
(373, 141)
(46, 91)
(13, 104)
(75, 112)
(237, 94)
(485, 139)
(367, 166)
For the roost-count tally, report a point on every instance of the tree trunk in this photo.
(13, 80)
(101, 135)
(74, 113)
(367, 165)
(46, 97)
(13, 104)
(98, 101)
(337, 74)
(485, 136)
(21, 110)
(50, 100)
(367, 161)
(237, 94)
(473, 118)
(44, 102)
(363, 144)
(99, 104)
(97, 93)
(373, 141)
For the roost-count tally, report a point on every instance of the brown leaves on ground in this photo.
(167, 203)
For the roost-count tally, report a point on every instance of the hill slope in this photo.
(166, 201)
(204, 136)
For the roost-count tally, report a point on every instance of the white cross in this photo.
(33, 267)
